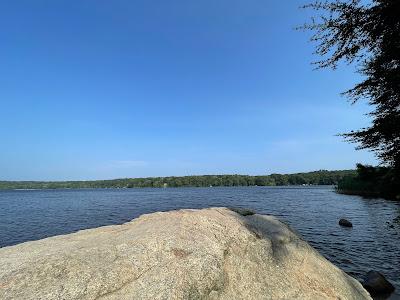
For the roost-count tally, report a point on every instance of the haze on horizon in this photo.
(99, 90)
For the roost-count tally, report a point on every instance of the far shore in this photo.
(322, 177)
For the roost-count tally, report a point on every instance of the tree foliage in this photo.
(371, 182)
(366, 34)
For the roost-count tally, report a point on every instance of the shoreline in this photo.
(322, 177)
(175, 187)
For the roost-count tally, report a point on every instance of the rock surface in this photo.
(345, 223)
(377, 284)
(242, 211)
(187, 254)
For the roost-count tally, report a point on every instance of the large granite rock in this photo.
(187, 254)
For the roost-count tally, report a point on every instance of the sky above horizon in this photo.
(108, 89)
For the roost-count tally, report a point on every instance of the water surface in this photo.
(313, 211)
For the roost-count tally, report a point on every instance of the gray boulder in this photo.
(377, 284)
(187, 254)
(345, 223)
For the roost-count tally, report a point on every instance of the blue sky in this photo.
(100, 89)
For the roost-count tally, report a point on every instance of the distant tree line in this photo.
(321, 177)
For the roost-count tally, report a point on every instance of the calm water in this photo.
(313, 211)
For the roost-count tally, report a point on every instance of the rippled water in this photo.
(313, 211)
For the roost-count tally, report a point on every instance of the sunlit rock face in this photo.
(211, 253)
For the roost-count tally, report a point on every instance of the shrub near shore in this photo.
(371, 182)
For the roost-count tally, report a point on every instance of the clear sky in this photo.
(97, 89)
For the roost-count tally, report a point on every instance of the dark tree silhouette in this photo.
(366, 34)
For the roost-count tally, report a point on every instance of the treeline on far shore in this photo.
(321, 177)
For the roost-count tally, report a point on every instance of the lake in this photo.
(314, 212)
